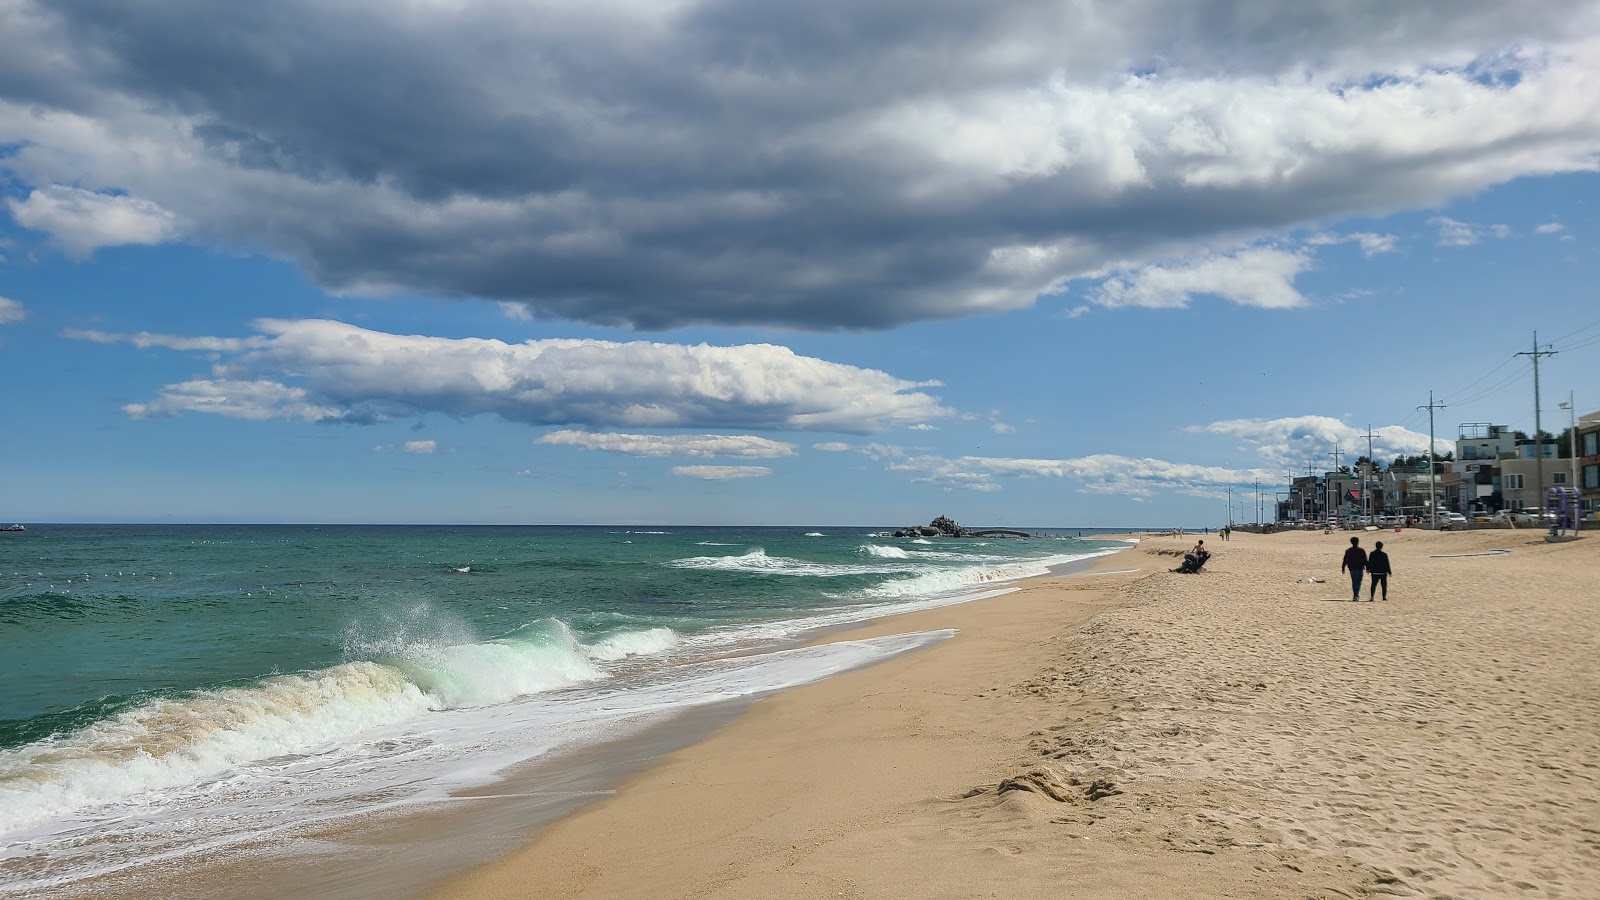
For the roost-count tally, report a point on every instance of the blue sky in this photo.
(734, 263)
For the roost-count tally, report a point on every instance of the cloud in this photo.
(657, 165)
(831, 447)
(1550, 228)
(721, 473)
(11, 311)
(1453, 233)
(144, 340)
(255, 401)
(421, 448)
(1101, 473)
(345, 373)
(83, 221)
(1293, 441)
(1262, 277)
(701, 445)
(1372, 244)
(1463, 234)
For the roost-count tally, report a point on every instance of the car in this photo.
(1448, 520)
(1524, 518)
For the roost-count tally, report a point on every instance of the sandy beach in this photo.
(1243, 733)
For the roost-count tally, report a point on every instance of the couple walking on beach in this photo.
(1357, 560)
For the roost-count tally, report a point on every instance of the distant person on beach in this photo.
(1378, 568)
(1355, 562)
(1199, 548)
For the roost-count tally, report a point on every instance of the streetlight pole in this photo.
(1572, 436)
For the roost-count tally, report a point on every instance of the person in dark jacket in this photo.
(1378, 568)
(1355, 562)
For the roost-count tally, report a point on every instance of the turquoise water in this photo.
(172, 689)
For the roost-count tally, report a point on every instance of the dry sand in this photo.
(1238, 733)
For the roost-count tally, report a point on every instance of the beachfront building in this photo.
(1477, 441)
(1519, 481)
(1589, 461)
(1305, 501)
(1406, 491)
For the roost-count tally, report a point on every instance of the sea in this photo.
(176, 692)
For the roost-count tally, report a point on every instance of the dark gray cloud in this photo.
(837, 164)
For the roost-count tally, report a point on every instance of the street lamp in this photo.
(1572, 435)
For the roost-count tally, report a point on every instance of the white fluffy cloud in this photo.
(146, 339)
(1294, 440)
(819, 166)
(11, 311)
(83, 221)
(1260, 277)
(721, 473)
(745, 446)
(256, 401)
(342, 372)
(1100, 473)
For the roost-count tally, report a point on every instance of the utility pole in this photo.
(1332, 481)
(1366, 483)
(1433, 501)
(1230, 506)
(1258, 502)
(1538, 445)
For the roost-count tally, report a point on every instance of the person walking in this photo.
(1378, 568)
(1355, 562)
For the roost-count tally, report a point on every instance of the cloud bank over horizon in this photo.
(833, 166)
(318, 370)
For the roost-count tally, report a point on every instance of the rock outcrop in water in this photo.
(944, 526)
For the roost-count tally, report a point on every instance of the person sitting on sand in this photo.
(1355, 561)
(1199, 548)
(1378, 568)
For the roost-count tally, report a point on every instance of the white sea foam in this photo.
(882, 552)
(626, 644)
(169, 743)
(382, 767)
(815, 534)
(757, 560)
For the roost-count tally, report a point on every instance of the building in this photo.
(1589, 461)
(1482, 441)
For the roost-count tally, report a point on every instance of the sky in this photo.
(729, 262)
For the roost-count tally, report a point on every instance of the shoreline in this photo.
(1152, 734)
(1080, 587)
(407, 853)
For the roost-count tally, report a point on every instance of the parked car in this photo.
(1448, 520)
(1525, 518)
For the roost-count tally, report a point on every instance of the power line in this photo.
(1499, 386)
(1575, 331)
(1482, 378)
